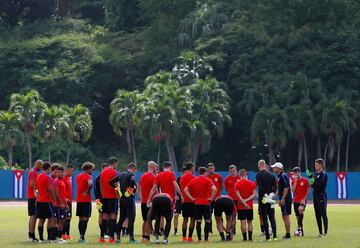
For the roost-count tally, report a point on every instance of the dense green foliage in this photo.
(291, 69)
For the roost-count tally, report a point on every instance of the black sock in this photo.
(41, 232)
(54, 233)
(228, 236)
(244, 236)
(184, 232)
(103, 227)
(80, 228)
(262, 228)
(112, 226)
(67, 227)
(146, 237)
(222, 235)
(250, 235)
(48, 233)
(207, 230)
(198, 230)
(30, 236)
(59, 233)
(210, 229)
(85, 222)
(191, 231)
(175, 230)
(287, 235)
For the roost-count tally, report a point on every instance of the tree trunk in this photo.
(49, 155)
(347, 152)
(271, 155)
(174, 158)
(128, 140)
(300, 152)
(132, 134)
(338, 157)
(28, 148)
(318, 154)
(195, 153)
(306, 155)
(325, 154)
(68, 155)
(10, 154)
(159, 152)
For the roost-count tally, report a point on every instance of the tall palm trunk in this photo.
(28, 148)
(338, 157)
(300, 152)
(195, 153)
(171, 153)
(318, 147)
(325, 155)
(132, 134)
(10, 154)
(347, 152)
(49, 155)
(271, 155)
(128, 140)
(306, 154)
(68, 155)
(159, 152)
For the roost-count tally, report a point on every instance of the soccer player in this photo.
(145, 185)
(229, 183)
(99, 203)
(202, 191)
(187, 204)
(246, 191)
(61, 206)
(161, 206)
(44, 207)
(109, 200)
(267, 186)
(216, 178)
(301, 189)
(68, 173)
(31, 195)
(225, 204)
(166, 182)
(318, 182)
(83, 198)
(178, 207)
(127, 189)
(285, 198)
(56, 200)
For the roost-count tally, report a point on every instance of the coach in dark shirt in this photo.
(284, 193)
(266, 183)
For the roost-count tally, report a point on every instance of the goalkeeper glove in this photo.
(99, 205)
(309, 174)
(311, 181)
(117, 189)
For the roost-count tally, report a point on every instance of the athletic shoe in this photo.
(189, 240)
(275, 239)
(41, 241)
(102, 240)
(112, 241)
(35, 240)
(184, 239)
(286, 238)
(81, 241)
(165, 241)
(106, 236)
(133, 241)
(58, 241)
(157, 241)
(144, 241)
(320, 236)
(118, 241)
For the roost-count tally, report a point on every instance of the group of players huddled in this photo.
(164, 197)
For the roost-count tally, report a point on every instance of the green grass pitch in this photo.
(344, 231)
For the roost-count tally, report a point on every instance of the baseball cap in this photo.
(277, 165)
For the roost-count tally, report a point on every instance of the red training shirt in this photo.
(246, 188)
(32, 175)
(302, 187)
(83, 189)
(146, 183)
(218, 182)
(184, 181)
(61, 188)
(106, 190)
(229, 184)
(68, 185)
(165, 180)
(43, 183)
(200, 189)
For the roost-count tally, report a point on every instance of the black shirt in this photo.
(266, 183)
(97, 191)
(127, 184)
(319, 186)
(284, 182)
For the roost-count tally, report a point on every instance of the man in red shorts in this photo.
(31, 195)
(188, 206)
(202, 191)
(246, 191)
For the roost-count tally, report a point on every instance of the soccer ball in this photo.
(298, 232)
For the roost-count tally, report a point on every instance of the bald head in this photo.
(152, 166)
(262, 165)
(38, 164)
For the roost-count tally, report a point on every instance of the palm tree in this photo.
(10, 132)
(54, 125)
(126, 110)
(270, 126)
(80, 125)
(30, 107)
(210, 111)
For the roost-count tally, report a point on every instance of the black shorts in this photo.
(246, 214)
(188, 209)
(83, 209)
(59, 213)
(32, 207)
(286, 208)
(178, 207)
(223, 204)
(68, 212)
(162, 206)
(266, 209)
(202, 211)
(144, 211)
(44, 210)
(110, 206)
(296, 207)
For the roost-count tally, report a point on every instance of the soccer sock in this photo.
(198, 230)
(67, 227)
(244, 236)
(287, 235)
(250, 235)
(80, 229)
(112, 225)
(191, 230)
(103, 227)
(175, 230)
(48, 233)
(222, 235)
(54, 233)
(262, 228)
(210, 229)
(207, 230)
(184, 232)
(85, 223)
(228, 236)
(41, 232)
(30, 236)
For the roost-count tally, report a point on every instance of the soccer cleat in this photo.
(165, 241)
(189, 240)
(275, 239)
(81, 241)
(102, 240)
(133, 241)
(184, 239)
(41, 241)
(106, 236)
(112, 241)
(157, 241)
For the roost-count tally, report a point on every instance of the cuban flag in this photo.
(18, 183)
(341, 185)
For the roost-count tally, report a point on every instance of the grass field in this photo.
(344, 231)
